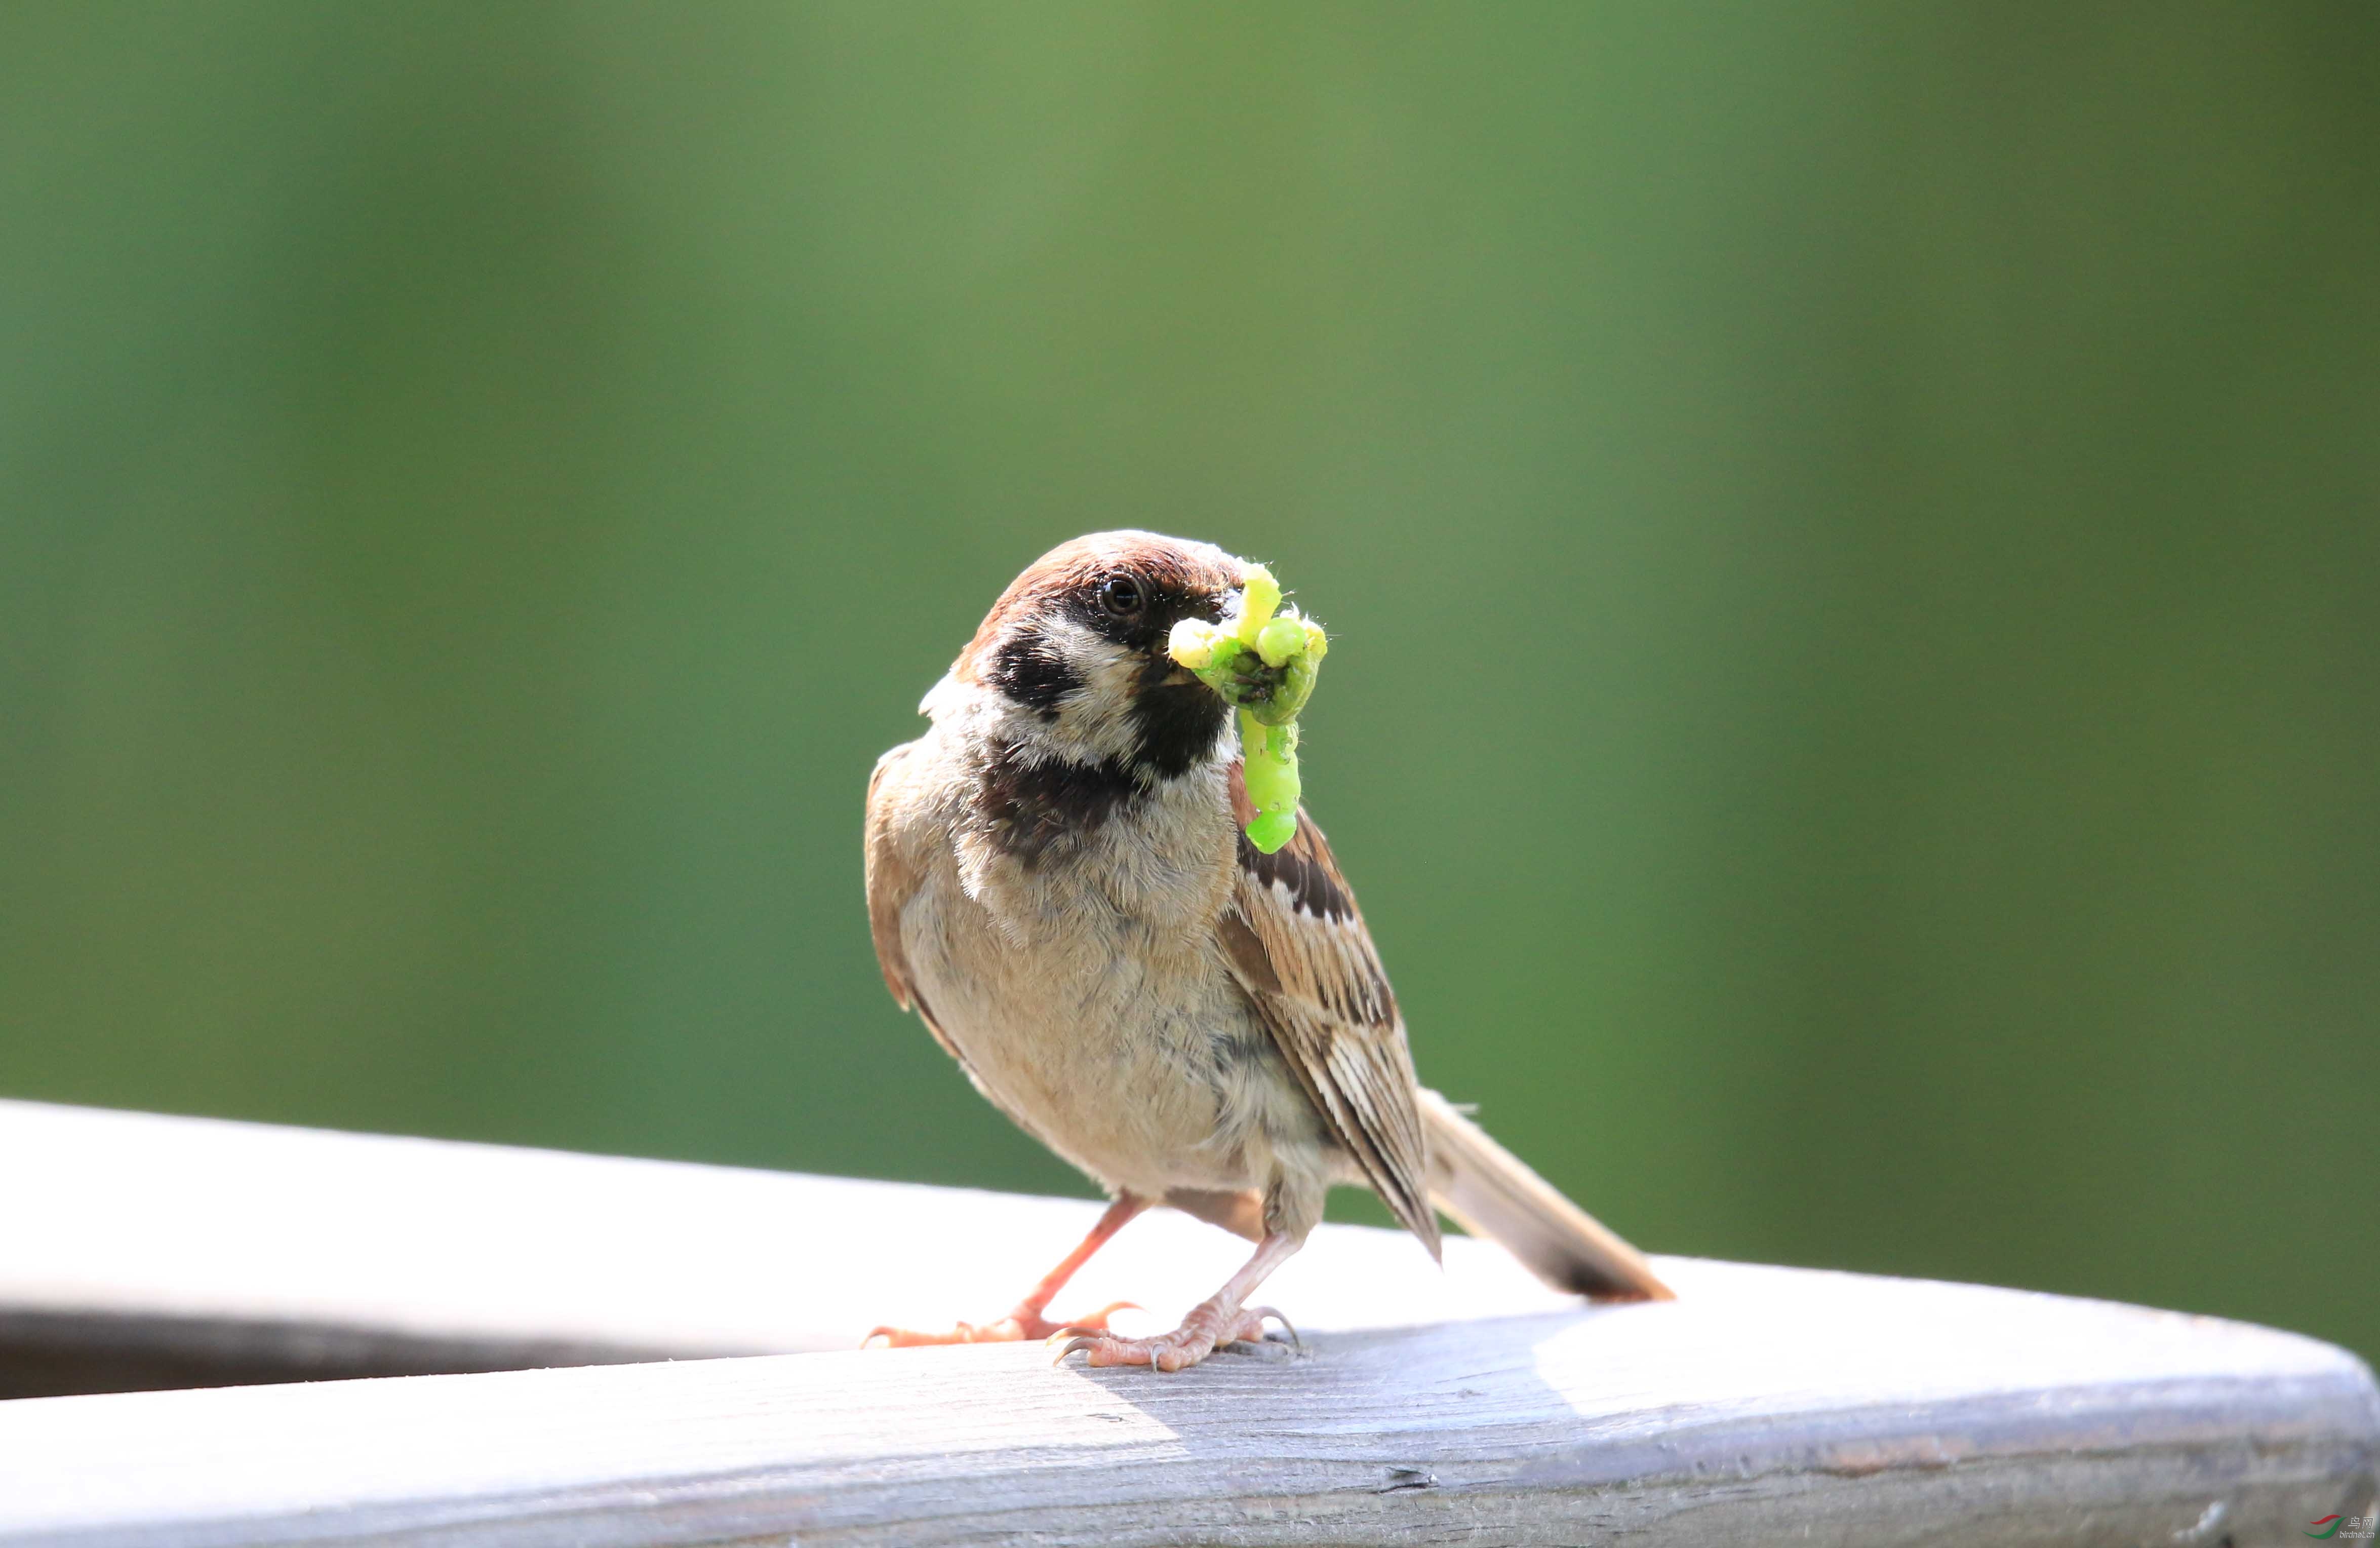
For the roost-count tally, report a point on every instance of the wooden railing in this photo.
(1469, 1406)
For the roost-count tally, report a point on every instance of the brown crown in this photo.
(1076, 568)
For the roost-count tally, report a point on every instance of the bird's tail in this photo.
(1492, 1193)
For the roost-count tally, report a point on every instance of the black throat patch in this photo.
(1175, 725)
(1032, 809)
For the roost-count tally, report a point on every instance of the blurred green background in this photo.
(1927, 457)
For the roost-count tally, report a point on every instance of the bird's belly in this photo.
(1140, 1061)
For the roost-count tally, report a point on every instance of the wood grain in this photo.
(1763, 1403)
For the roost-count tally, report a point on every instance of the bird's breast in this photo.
(1083, 989)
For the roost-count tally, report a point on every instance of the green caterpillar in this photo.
(1264, 667)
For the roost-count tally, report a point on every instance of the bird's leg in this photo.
(1026, 1321)
(1222, 1318)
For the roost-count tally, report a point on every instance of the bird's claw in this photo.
(1208, 1327)
(1016, 1328)
(1262, 1312)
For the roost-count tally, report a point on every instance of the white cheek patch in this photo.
(1094, 721)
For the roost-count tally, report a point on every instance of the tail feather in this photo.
(1490, 1192)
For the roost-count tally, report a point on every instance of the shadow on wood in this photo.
(59, 1354)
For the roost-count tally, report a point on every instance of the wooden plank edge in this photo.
(2239, 1458)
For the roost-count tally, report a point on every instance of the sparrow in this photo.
(1059, 885)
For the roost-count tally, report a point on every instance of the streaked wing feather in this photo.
(1297, 945)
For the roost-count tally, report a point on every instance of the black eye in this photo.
(1122, 597)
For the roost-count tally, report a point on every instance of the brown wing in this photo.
(1298, 945)
(891, 881)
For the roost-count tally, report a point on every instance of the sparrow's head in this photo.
(1072, 655)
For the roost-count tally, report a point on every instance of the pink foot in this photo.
(1207, 1325)
(1016, 1327)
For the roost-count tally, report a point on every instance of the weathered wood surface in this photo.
(333, 1254)
(1763, 1404)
